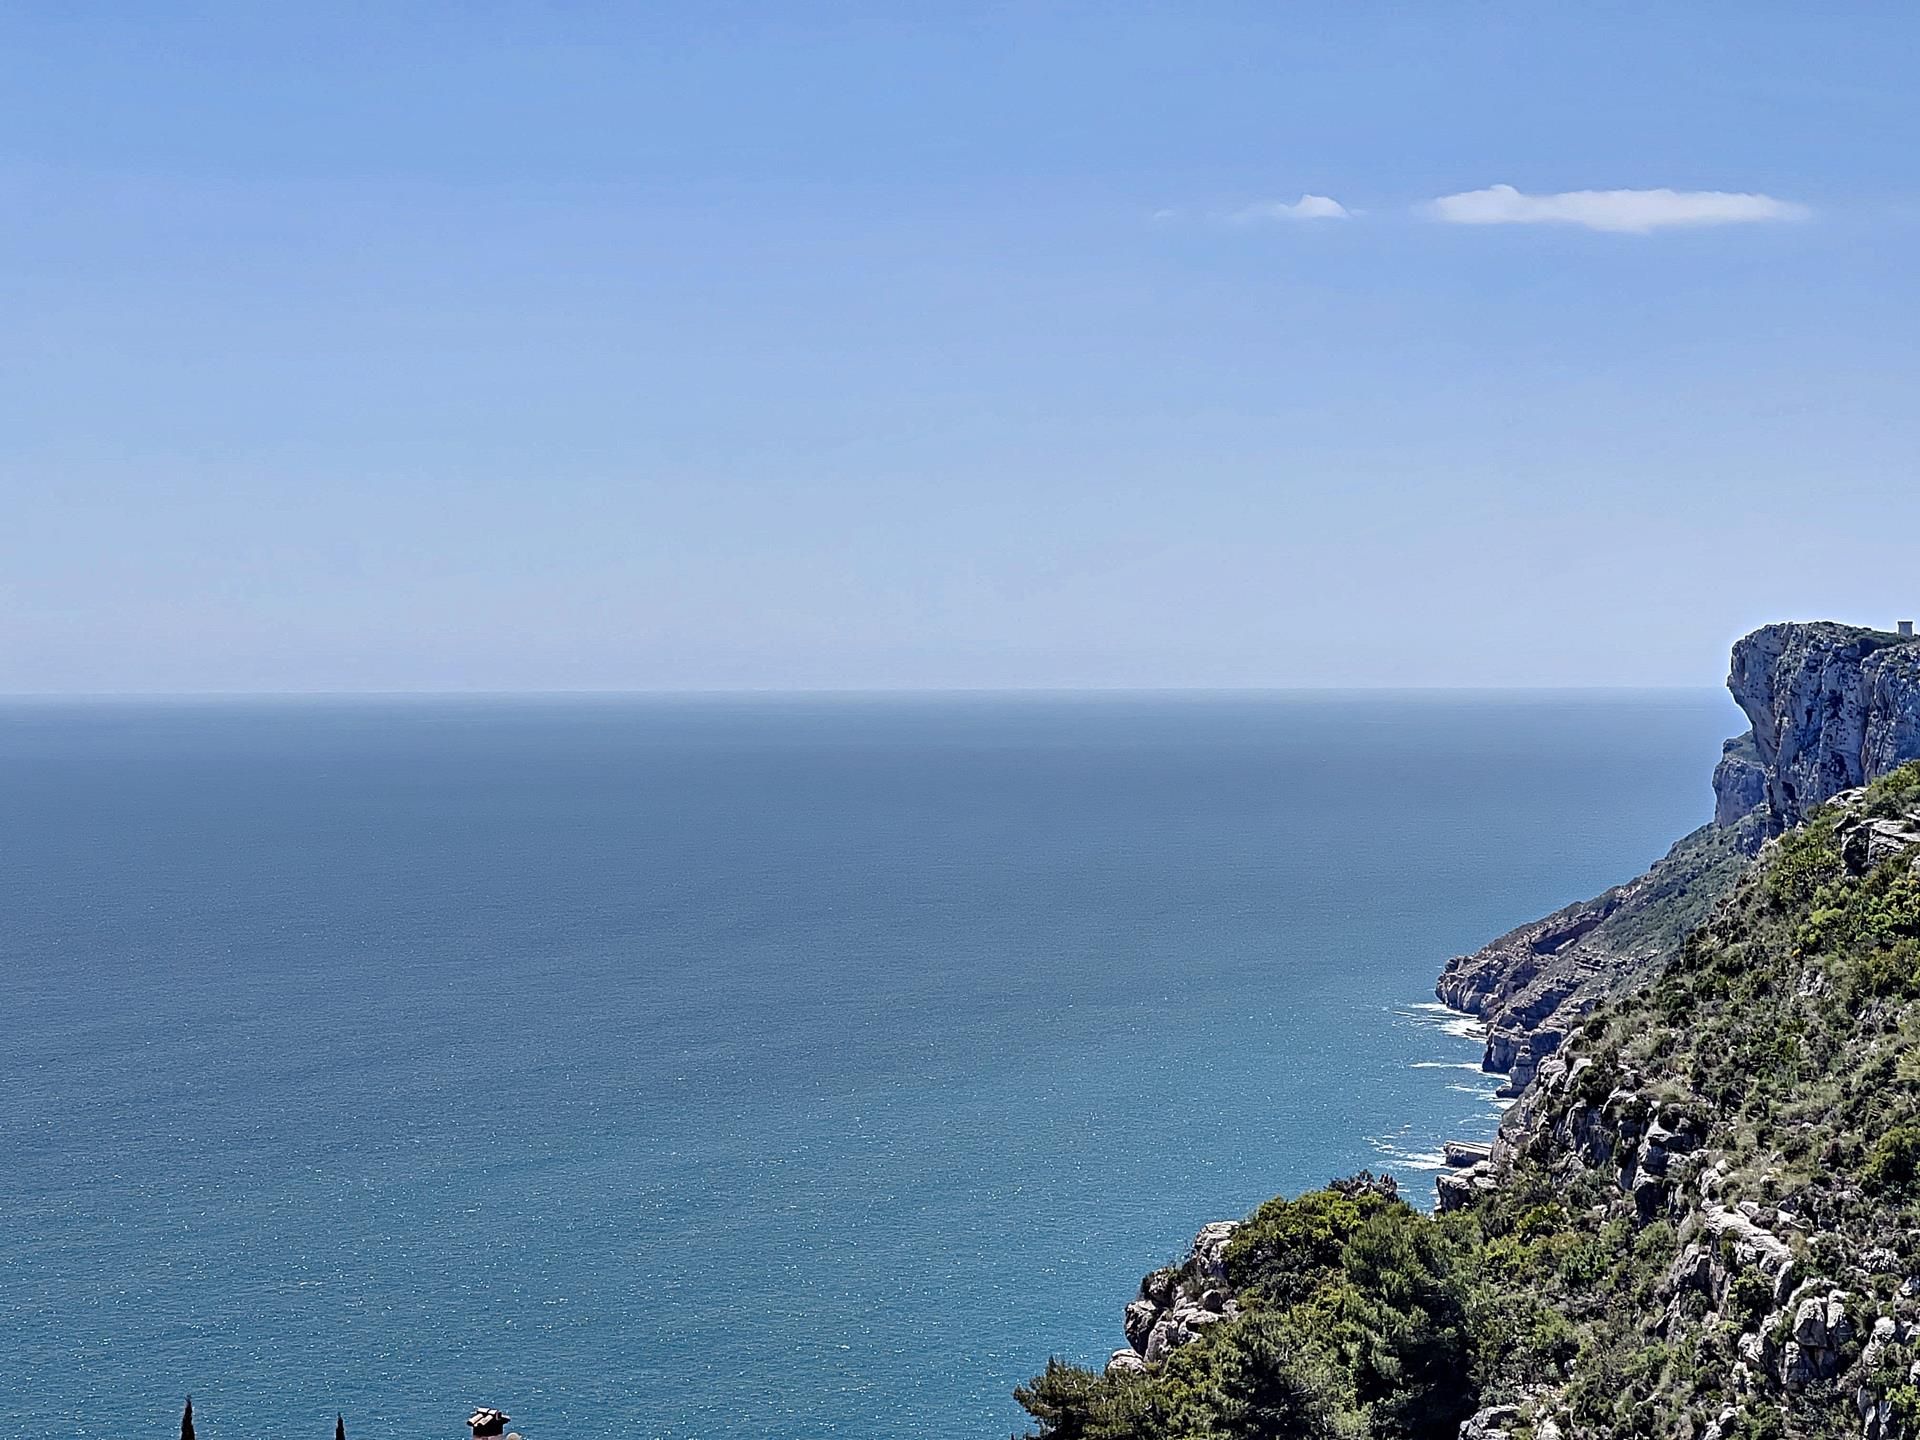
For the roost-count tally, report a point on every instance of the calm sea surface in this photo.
(691, 1067)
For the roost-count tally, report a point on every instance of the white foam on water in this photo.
(1410, 1159)
(1444, 1019)
(1489, 1093)
(1434, 1018)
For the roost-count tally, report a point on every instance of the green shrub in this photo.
(1288, 1248)
(1063, 1399)
(1893, 1161)
(1749, 1298)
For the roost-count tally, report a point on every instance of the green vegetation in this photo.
(1771, 1071)
(1680, 890)
(1361, 1317)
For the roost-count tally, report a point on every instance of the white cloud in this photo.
(1627, 211)
(1307, 207)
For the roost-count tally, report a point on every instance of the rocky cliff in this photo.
(1739, 781)
(1751, 1114)
(1701, 1221)
(1832, 707)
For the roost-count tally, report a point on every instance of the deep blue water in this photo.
(768, 1067)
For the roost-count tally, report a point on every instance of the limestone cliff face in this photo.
(1893, 710)
(1832, 706)
(1739, 781)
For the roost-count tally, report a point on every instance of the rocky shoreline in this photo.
(1176, 1303)
(1832, 707)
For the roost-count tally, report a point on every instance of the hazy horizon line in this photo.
(828, 692)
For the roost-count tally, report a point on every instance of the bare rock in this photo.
(1138, 1322)
(1833, 706)
(1496, 1422)
(1752, 1244)
(1739, 781)
(1457, 1189)
(1867, 841)
(1158, 1287)
(1810, 1323)
(1208, 1256)
(1692, 1269)
(1160, 1341)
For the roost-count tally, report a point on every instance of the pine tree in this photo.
(339, 1427)
(186, 1421)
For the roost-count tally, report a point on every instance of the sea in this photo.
(696, 1066)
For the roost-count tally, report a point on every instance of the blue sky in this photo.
(555, 346)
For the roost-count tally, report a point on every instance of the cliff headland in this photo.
(1831, 707)
(1700, 1219)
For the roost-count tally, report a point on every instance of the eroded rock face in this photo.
(1750, 1242)
(1822, 1330)
(1457, 1189)
(1208, 1256)
(1463, 1154)
(1138, 1322)
(1868, 840)
(1893, 710)
(1833, 706)
(1496, 1422)
(1739, 781)
(1177, 1303)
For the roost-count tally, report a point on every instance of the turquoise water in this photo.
(787, 1068)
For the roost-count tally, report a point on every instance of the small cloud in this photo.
(1307, 207)
(1634, 212)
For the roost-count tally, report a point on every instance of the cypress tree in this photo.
(186, 1421)
(339, 1427)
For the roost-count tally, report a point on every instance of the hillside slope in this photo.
(1701, 1220)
